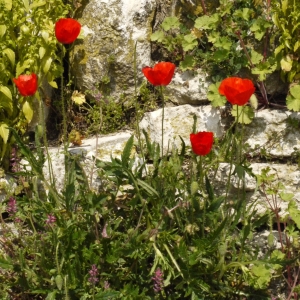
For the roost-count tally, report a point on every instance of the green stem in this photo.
(162, 120)
(137, 107)
(63, 106)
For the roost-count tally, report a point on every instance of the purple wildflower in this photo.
(14, 160)
(106, 285)
(158, 280)
(11, 206)
(50, 219)
(93, 275)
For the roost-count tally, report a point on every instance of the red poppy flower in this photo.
(237, 90)
(202, 142)
(160, 74)
(26, 84)
(67, 30)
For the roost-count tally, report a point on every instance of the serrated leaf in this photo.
(294, 213)
(78, 98)
(6, 91)
(189, 42)
(2, 30)
(7, 4)
(295, 91)
(27, 111)
(170, 23)
(214, 96)
(188, 63)
(243, 114)
(22, 66)
(286, 63)
(4, 132)
(206, 22)
(293, 103)
(157, 36)
(286, 196)
(256, 57)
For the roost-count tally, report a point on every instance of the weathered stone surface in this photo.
(178, 121)
(286, 179)
(188, 88)
(103, 149)
(270, 130)
(111, 29)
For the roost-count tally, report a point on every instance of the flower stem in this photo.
(162, 120)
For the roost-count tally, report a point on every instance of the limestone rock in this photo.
(188, 88)
(270, 131)
(178, 121)
(111, 28)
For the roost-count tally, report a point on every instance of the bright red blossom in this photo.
(160, 74)
(237, 90)
(67, 30)
(26, 84)
(202, 142)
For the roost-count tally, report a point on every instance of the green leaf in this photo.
(27, 111)
(286, 196)
(78, 98)
(42, 52)
(170, 23)
(256, 57)
(253, 101)
(26, 5)
(107, 295)
(21, 67)
(207, 22)
(244, 13)
(59, 281)
(6, 263)
(6, 91)
(294, 213)
(47, 65)
(53, 84)
(51, 296)
(293, 100)
(11, 55)
(127, 152)
(37, 4)
(4, 132)
(188, 63)
(286, 63)
(7, 4)
(151, 191)
(243, 114)
(295, 91)
(214, 96)
(189, 42)
(157, 36)
(2, 30)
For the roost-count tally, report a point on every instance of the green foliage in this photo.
(28, 45)
(293, 99)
